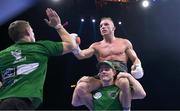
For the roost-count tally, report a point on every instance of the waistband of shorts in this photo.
(120, 66)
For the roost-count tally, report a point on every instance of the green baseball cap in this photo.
(106, 63)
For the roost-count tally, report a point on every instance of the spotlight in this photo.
(55, 0)
(119, 22)
(82, 20)
(93, 20)
(145, 3)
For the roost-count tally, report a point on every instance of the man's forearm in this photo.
(137, 89)
(65, 36)
(63, 33)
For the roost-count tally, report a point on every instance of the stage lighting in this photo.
(10, 9)
(93, 20)
(82, 20)
(145, 3)
(55, 0)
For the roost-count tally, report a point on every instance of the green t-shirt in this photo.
(107, 98)
(23, 69)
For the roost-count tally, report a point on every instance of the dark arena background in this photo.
(154, 31)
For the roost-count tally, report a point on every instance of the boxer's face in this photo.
(106, 27)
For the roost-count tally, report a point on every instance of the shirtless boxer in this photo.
(114, 49)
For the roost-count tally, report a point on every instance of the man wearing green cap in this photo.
(110, 96)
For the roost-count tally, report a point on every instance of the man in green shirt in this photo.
(23, 65)
(110, 96)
